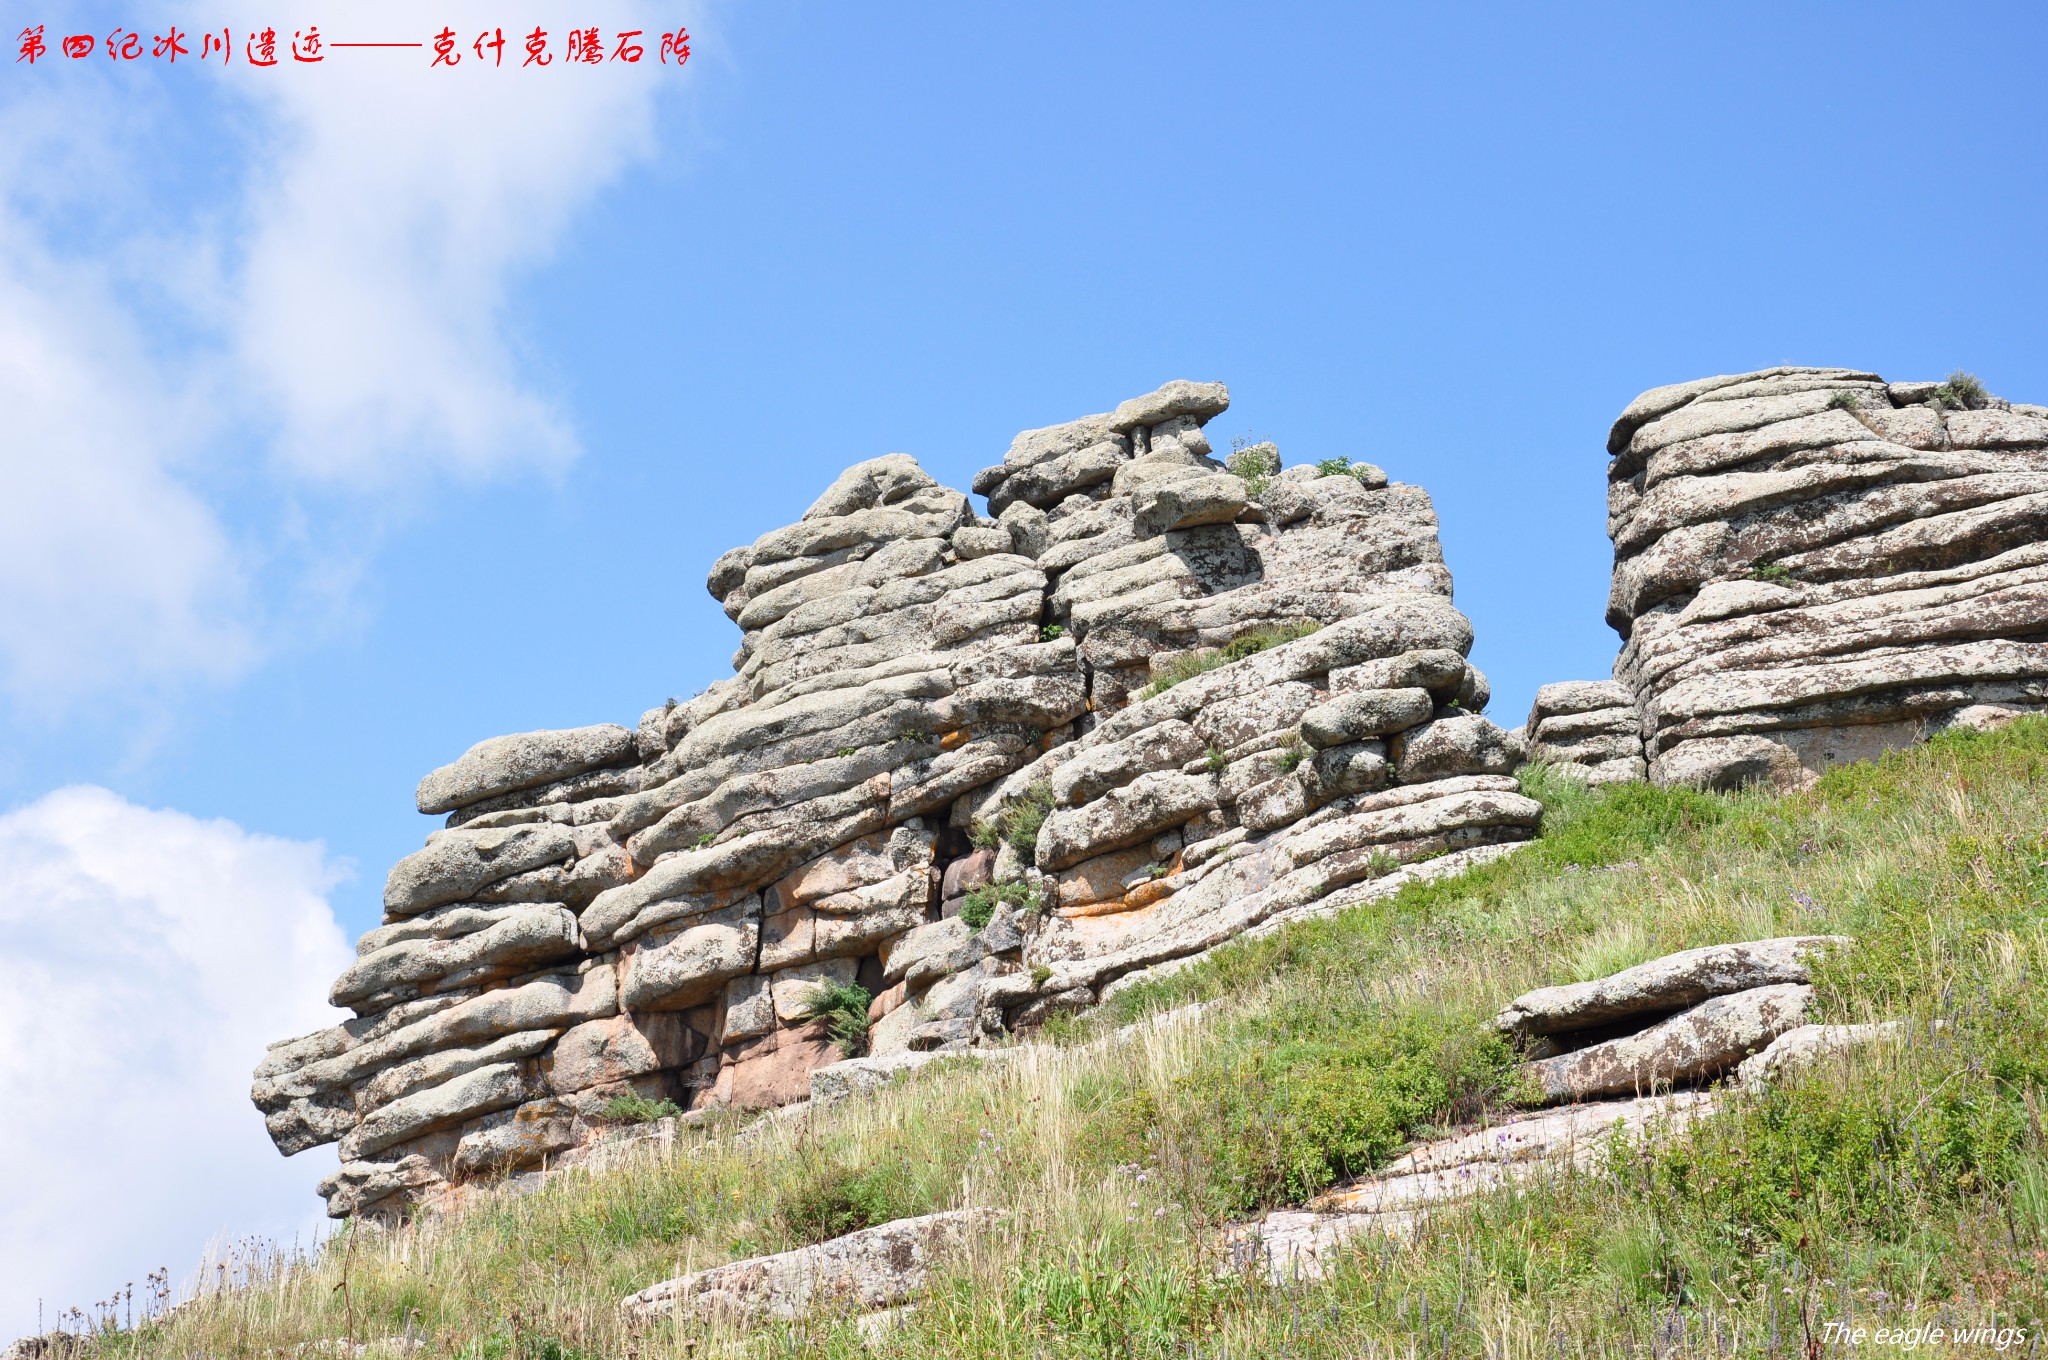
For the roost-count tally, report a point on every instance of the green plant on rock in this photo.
(980, 906)
(984, 834)
(1017, 824)
(1844, 400)
(1344, 467)
(1051, 632)
(1775, 573)
(1217, 760)
(918, 736)
(633, 1108)
(706, 839)
(1292, 752)
(1191, 664)
(1257, 464)
(1962, 392)
(843, 1006)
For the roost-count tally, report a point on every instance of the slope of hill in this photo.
(1901, 1184)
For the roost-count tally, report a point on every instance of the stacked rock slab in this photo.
(1813, 565)
(1684, 1018)
(1589, 728)
(654, 911)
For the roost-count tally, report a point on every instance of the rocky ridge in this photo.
(982, 766)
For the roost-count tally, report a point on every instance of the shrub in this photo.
(1256, 464)
(984, 834)
(1237, 649)
(637, 1109)
(706, 839)
(1217, 760)
(1843, 401)
(1773, 572)
(980, 907)
(1051, 632)
(1017, 824)
(1344, 467)
(843, 1006)
(1962, 392)
(1292, 753)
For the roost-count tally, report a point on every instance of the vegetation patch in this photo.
(1257, 464)
(1195, 663)
(843, 1006)
(979, 906)
(637, 1109)
(1962, 392)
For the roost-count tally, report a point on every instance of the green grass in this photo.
(1191, 664)
(1904, 1182)
(1775, 573)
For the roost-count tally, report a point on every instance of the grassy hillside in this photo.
(1903, 1183)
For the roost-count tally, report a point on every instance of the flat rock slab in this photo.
(1667, 984)
(1290, 1245)
(1808, 1044)
(862, 1272)
(1694, 1045)
(504, 764)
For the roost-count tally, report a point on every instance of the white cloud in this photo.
(218, 384)
(146, 959)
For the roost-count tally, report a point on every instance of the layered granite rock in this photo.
(1681, 1019)
(1588, 728)
(1813, 565)
(1144, 705)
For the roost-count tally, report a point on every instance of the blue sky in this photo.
(367, 417)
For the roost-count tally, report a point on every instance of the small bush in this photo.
(980, 907)
(706, 839)
(1051, 632)
(984, 834)
(1962, 392)
(1773, 572)
(1843, 401)
(845, 751)
(637, 1109)
(1344, 467)
(1292, 753)
(843, 1006)
(1217, 760)
(1017, 824)
(1237, 649)
(1256, 464)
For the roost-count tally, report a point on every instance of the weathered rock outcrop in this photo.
(1684, 1018)
(1813, 565)
(1590, 728)
(860, 1273)
(1150, 704)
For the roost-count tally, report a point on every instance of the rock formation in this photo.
(1686, 1017)
(1813, 565)
(1590, 728)
(983, 767)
